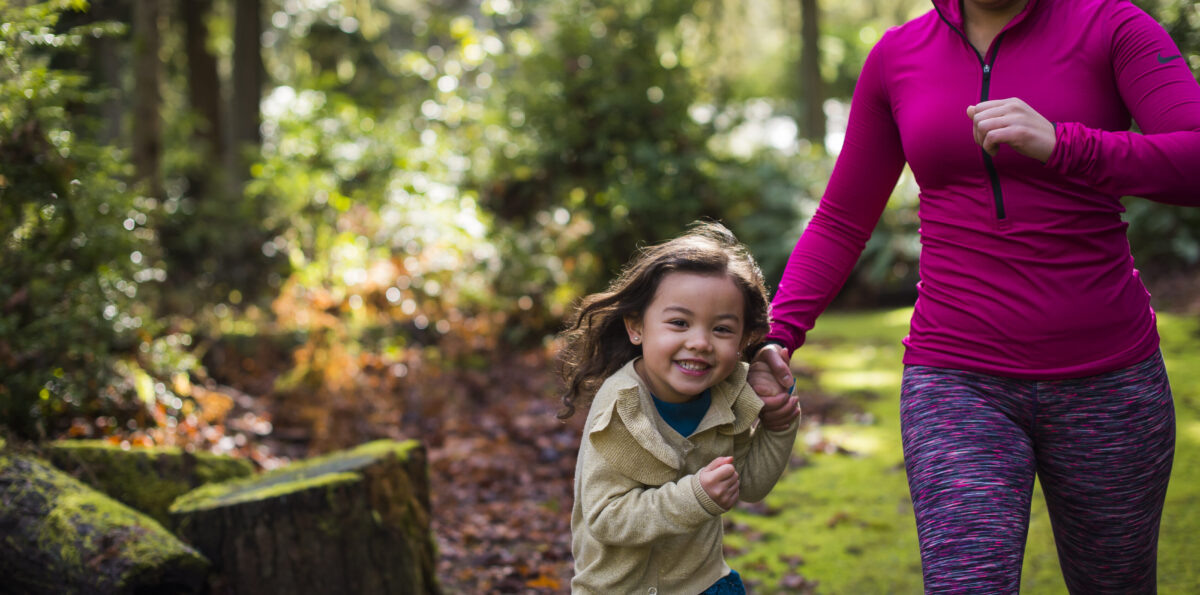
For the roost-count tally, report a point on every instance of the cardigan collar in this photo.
(734, 409)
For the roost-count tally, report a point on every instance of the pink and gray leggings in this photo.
(1101, 447)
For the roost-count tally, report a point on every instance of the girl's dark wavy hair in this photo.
(596, 343)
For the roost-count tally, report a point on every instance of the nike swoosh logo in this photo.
(1164, 59)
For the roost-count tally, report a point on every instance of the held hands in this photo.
(771, 379)
(1012, 122)
(720, 480)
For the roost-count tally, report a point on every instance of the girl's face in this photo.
(690, 333)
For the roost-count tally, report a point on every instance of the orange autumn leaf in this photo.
(543, 582)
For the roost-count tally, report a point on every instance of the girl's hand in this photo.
(720, 480)
(771, 379)
(1012, 122)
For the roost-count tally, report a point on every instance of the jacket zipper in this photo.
(994, 176)
(988, 164)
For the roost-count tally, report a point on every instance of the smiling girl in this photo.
(668, 445)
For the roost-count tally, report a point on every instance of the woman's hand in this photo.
(771, 379)
(720, 480)
(1012, 122)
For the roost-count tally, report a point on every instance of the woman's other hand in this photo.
(1012, 122)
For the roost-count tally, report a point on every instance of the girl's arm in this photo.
(1163, 162)
(760, 456)
(619, 510)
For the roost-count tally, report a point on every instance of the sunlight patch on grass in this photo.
(855, 439)
(1192, 431)
(850, 359)
(899, 317)
(859, 380)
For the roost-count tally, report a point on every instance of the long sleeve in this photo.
(619, 510)
(1161, 163)
(863, 177)
(760, 457)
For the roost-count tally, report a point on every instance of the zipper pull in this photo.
(987, 69)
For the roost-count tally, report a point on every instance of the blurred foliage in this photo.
(618, 150)
(211, 233)
(438, 182)
(372, 195)
(77, 259)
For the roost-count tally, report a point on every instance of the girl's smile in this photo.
(691, 334)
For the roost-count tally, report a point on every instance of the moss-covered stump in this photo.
(355, 521)
(145, 479)
(58, 535)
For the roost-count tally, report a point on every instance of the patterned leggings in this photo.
(1102, 447)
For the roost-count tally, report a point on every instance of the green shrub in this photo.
(74, 252)
(611, 156)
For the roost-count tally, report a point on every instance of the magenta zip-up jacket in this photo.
(1025, 267)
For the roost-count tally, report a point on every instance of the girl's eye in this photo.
(677, 322)
(724, 330)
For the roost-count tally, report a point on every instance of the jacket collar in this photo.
(734, 408)
(951, 11)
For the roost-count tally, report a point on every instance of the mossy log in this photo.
(60, 536)
(145, 479)
(355, 521)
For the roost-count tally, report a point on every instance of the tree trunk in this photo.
(60, 536)
(248, 78)
(356, 521)
(147, 77)
(812, 87)
(105, 61)
(204, 89)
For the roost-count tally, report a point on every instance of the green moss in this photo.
(848, 517)
(1177, 570)
(146, 479)
(326, 470)
(234, 492)
(82, 525)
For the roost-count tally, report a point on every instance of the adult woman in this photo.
(1032, 345)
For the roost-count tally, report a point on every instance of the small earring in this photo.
(636, 339)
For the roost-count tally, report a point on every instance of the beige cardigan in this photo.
(641, 522)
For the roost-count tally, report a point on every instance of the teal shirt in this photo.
(684, 417)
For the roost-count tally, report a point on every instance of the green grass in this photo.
(845, 520)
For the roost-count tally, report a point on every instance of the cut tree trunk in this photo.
(60, 536)
(355, 521)
(145, 479)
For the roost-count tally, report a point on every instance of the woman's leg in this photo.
(1104, 447)
(970, 463)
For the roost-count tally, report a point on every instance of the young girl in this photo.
(668, 445)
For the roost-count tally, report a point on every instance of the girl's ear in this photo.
(746, 340)
(633, 326)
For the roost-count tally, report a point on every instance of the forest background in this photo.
(276, 228)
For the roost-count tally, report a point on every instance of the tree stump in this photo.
(145, 479)
(60, 536)
(355, 521)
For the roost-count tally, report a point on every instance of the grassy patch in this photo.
(845, 520)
